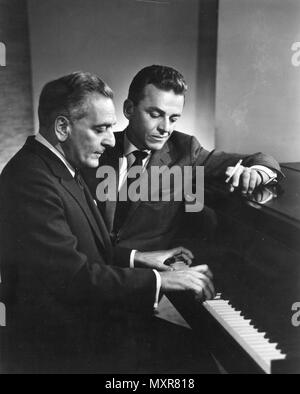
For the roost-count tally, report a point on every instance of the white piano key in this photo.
(255, 343)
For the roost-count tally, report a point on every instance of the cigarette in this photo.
(234, 170)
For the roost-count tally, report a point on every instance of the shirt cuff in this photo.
(132, 256)
(270, 173)
(158, 288)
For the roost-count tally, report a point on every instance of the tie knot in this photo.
(139, 156)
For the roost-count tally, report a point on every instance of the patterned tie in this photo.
(122, 208)
(78, 179)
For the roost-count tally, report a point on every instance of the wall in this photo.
(257, 92)
(116, 38)
(258, 88)
(206, 71)
(15, 79)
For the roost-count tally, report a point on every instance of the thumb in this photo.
(163, 267)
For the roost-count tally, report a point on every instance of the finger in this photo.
(209, 294)
(180, 266)
(228, 174)
(229, 171)
(163, 267)
(185, 258)
(181, 250)
(231, 188)
(208, 289)
(253, 181)
(204, 282)
(202, 288)
(206, 272)
(200, 296)
(245, 180)
(235, 180)
(208, 283)
(204, 269)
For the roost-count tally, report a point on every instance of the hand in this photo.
(246, 178)
(197, 279)
(155, 260)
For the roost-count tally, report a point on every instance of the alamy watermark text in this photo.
(296, 56)
(2, 54)
(163, 183)
(296, 315)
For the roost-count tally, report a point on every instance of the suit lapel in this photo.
(112, 159)
(161, 157)
(68, 182)
(99, 230)
(99, 219)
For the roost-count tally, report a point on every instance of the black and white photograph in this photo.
(150, 189)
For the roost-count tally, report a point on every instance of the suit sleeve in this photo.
(216, 162)
(39, 239)
(122, 256)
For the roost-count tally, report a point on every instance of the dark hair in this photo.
(163, 77)
(66, 96)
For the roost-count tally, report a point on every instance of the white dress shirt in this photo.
(125, 164)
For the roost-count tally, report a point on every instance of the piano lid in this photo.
(272, 209)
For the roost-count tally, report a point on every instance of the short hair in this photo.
(162, 77)
(66, 96)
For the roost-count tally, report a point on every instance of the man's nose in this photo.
(165, 126)
(109, 140)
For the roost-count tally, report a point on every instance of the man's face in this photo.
(152, 120)
(91, 134)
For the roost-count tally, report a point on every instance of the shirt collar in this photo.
(42, 140)
(129, 147)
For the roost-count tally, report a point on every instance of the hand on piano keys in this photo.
(196, 280)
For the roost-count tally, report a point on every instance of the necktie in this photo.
(78, 179)
(86, 196)
(94, 216)
(122, 208)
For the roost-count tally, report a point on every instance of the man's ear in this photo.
(128, 108)
(62, 128)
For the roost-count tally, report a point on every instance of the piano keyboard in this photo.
(255, 343)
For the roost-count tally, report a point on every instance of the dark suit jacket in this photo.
(151, 225)
(62, 287)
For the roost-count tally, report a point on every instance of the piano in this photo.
(253, 249)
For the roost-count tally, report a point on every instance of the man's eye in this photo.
(100, 130)
(173, 120)
(154, 115)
